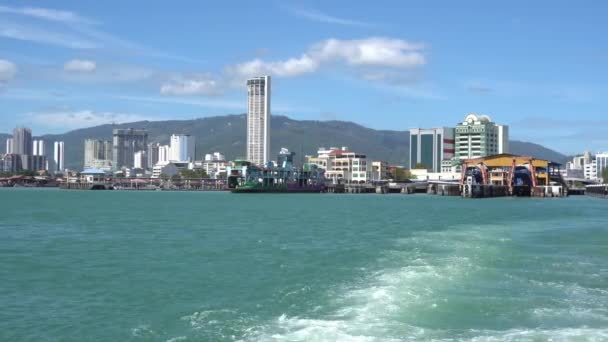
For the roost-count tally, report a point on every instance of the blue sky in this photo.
(540, 67)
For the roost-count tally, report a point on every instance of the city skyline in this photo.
(328, 61)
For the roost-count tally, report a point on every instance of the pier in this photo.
(598, 190)
(143, 184)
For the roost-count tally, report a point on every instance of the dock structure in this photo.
(597, 190)
(143, 184)
(511, 175)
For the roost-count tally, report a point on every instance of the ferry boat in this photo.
(281, 178)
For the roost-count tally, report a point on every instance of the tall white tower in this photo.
(39, 149)
(58, 156)
(258, 120)
(9, 145)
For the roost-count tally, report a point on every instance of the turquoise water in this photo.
(186, 266)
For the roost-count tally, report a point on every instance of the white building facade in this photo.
(139, 160)
(59, 156)
(182, 148)
(478, 136)
(258, 120)
(342, 165)
(39, 148)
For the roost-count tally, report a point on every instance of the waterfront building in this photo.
(601, 163)
(341, 165)
(430, 147)
(9, 145)
(125, 143)
(91, 175)
(58, 156)
(258, 120)
(379, 171)
(97, 152)
(478, 136)
(38, 147)
(152, 155)
(182, 148)
(140, 160)
(580, 167)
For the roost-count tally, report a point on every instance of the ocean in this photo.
(203, 266)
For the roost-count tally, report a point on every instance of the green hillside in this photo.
(226, 134)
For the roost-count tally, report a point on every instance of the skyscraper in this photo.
(125, 143)
(153, 151)
(478, 136)
(9, 145)
(39, 147)
(58, 156)
(430, 147)
(182, 147)
(96, 152)
(22, 141)
(258, 120)
(140, 160)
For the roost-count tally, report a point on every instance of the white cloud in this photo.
(375, 51)
(47, 14)
(370, 52)
(7, 70)
(287, 68)
(70, 119)
(42, 36)
(195, 85)
(80, 65)
(319, 16)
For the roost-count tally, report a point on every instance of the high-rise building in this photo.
(182, 148)
(97, 152)
(58, 156)
(601, 163)
(152, 154)
(163, 154)
(478, 136)
(430, 147)
(125, 143)
(140, 160)
(9, 145)
(258, 120)
(11, 163)
(38, 163)
(38, 147)
(22, 141)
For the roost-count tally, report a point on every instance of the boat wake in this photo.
(444, 286)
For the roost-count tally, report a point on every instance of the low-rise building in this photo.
(92, 176)
(379, 171)
(341, 165)
(168, 169)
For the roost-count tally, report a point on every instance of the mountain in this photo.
(536, 150)
(226, 134)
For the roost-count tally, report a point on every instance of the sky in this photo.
(540, 67)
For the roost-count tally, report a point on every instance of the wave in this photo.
(442, 286)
